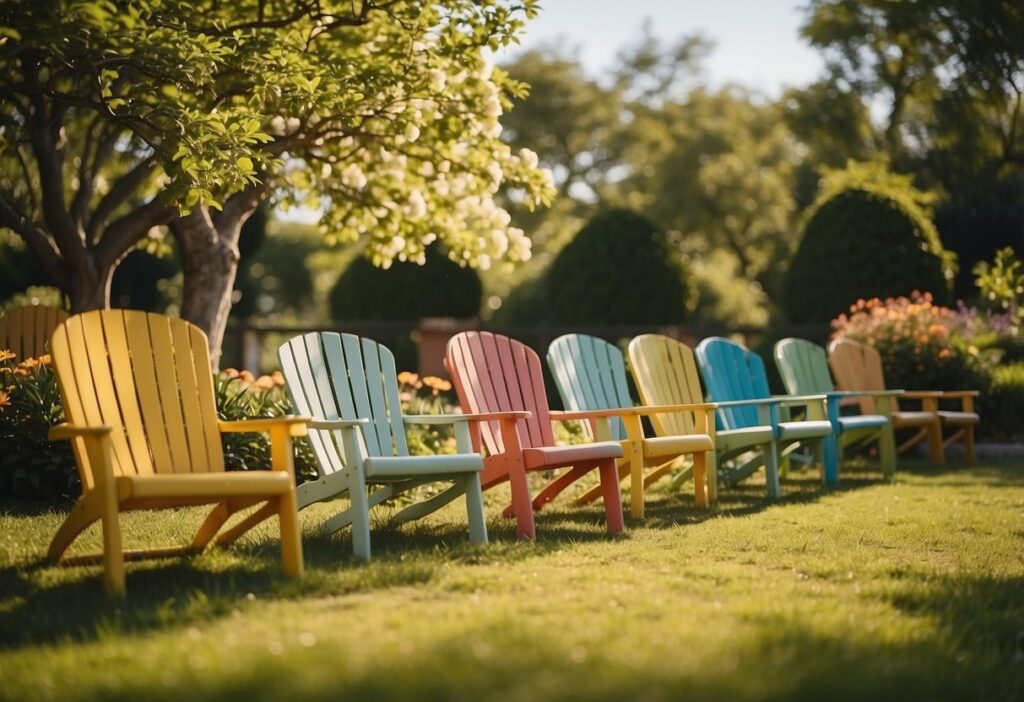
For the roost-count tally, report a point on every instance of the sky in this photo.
(756, 41)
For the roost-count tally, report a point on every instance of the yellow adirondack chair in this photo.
(138, 398)
(858, 366)
(26, 330)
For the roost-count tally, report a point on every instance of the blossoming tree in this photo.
(119, 118)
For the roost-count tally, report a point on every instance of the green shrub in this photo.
(32, 466)
(406, 291)
(618, 269)
(864, 238)
(1002, 407)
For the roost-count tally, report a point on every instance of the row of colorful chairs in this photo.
(139, 403)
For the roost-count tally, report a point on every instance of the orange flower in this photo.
(264, 382)
(409, 378)
(5, 400)
(230, 373)
(278, 378)
(246, 376)
(45, 360)
(7, 355)
(437, 384)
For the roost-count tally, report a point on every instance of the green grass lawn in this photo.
(909, 590)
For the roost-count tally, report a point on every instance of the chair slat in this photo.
(170, 392)
(188, 389)
(94, 335)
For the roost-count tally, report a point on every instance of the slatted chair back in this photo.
(857, 366)
(343, 376)
(493, 373)
(148, 378)
(803, 366)
(590, 375)
(732, 372)
(26, 330)
(666, 374)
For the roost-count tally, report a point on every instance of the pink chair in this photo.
(495, 374)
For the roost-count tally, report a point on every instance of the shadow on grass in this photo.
(767, 657)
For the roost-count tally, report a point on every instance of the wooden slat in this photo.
(188, 390)
(207, 402)
(169, 393)
(94, 334)
(320, 386)
(70, 391)
(295, 367)
(665, 373)
(143, 363)
(371, 375)
(389, 386)
(360, 396)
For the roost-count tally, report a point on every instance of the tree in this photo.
(120, 117)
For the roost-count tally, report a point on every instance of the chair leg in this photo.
(699, 478)
(83, 514)
(969, 444)
(935, 448)
(887, 450)
(827, 452)
(712, 477)
(771, 470)
(211, 525)
(265, 511)
(594, 493)
(612, 496)
(526, 527)
(291, 535)
(556, 486)
(113, 548)
(360, 512)
(636, 480)
(475, 510)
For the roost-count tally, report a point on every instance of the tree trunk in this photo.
(208, 246)
(89, 284)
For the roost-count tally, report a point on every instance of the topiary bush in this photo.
(864, 237)
(618, 269)
(406, 291)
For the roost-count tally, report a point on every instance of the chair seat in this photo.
(811, 429)
(862, 421)
(555, 456)
(192, 485)
(421, 466)
(674, 445)
(912, 419)
(746, 436)
(959, 418)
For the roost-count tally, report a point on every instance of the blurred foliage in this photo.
(619, 269)
(406, 290)
(1002, 406)
(1001, 283)
(867, 235)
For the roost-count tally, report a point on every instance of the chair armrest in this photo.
(790, 400)
(437, 418)
(64, 431)
(740, 403)
(955, 394)
(631, 411)
(922, 394)
(491, 416)
(330, 424)
(296, 425)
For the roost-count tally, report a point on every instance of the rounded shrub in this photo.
(618, 269)
(406, 291)
(863, 241)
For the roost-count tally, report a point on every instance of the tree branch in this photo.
(119, 192)
(124, 233)
(36, 238)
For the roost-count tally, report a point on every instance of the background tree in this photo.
(117, 118)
